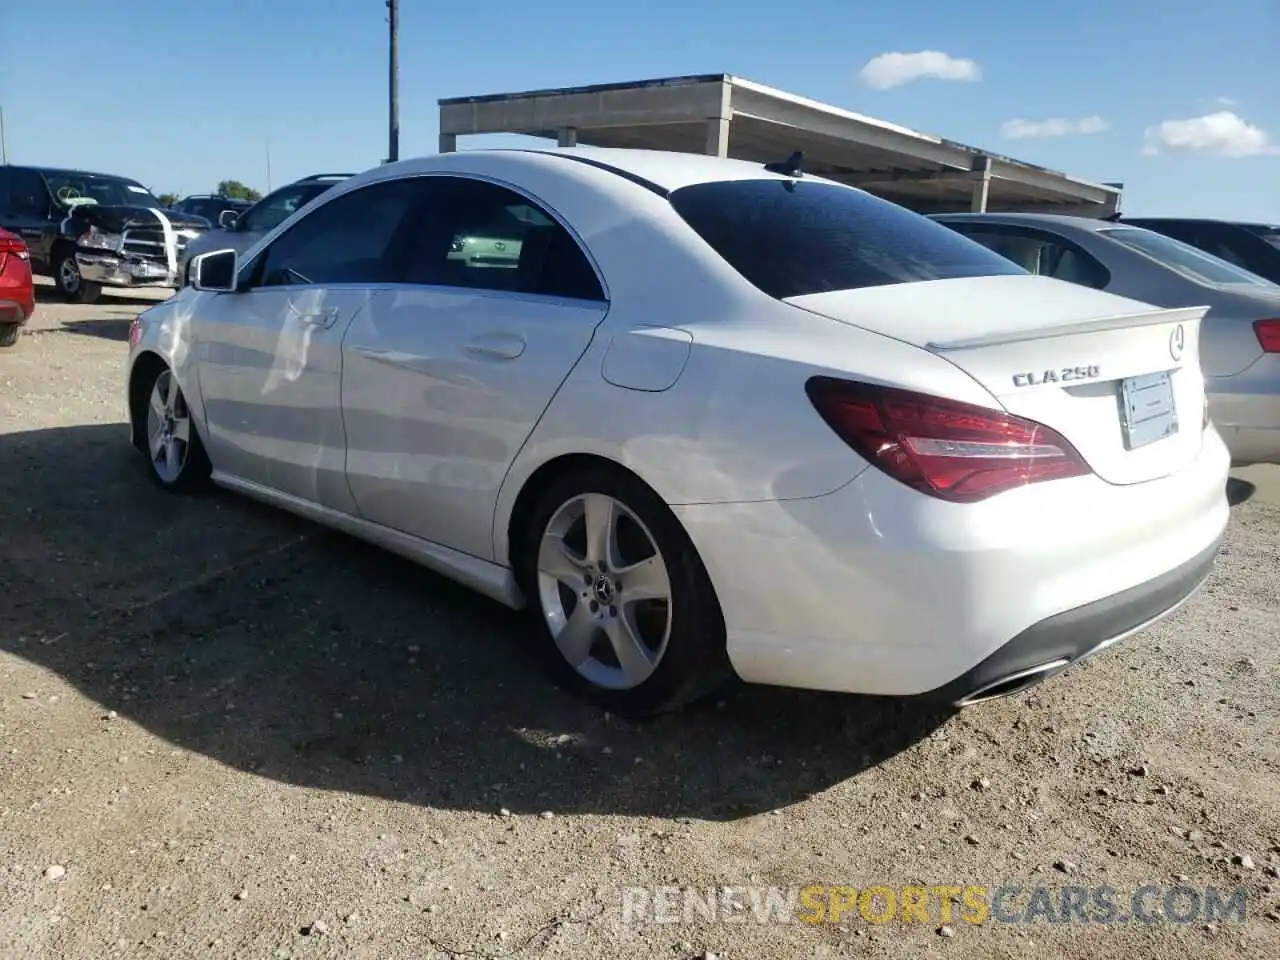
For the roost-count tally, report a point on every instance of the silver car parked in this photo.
(1240, 336)
(239, 232)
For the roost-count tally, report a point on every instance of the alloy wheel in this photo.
(168, 428)
(605, 591)
(69, 275)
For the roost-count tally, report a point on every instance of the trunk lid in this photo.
(1118, 378)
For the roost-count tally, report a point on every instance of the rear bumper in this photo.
(1246, 410)
(1052, 645)
(15, 311)
(877, 589)
(113, 271)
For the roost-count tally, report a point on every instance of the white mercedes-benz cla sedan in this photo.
(701, 417)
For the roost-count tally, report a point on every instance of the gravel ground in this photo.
(227, 733)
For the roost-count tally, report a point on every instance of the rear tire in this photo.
(71, 286)
(175, 455)
(9, 334)
(620, 599)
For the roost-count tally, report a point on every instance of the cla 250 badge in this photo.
(1057, 375)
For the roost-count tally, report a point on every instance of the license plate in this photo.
(1147, 410)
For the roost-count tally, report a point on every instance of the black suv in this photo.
(1254, 246)
(90, 230)
(211, 207)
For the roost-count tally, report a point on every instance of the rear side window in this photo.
(1182, 258)
(790, 238)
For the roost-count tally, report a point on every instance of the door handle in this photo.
(322, 318)
(496, 346)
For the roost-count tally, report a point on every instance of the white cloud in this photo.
(1019, 129)
(894, 69)
(1222, 134)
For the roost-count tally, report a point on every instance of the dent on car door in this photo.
(272, 354)
(445, 376)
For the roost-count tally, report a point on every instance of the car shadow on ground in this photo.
(48, 294)
(107, 328)
(279, 648)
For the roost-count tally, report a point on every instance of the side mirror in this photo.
(214, 272)
(227, 219)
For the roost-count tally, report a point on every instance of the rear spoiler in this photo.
(1144, 318)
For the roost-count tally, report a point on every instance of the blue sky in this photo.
(181, 94)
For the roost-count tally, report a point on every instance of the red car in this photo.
(17, 294)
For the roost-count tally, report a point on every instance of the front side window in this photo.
(27, 193)
(348, 240)
(795, 238)
(1182, 258)
(483, 236)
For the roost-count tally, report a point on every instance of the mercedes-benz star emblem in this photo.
(1177, 342)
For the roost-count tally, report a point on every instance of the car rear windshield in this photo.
(1183, 258)
(792, 238)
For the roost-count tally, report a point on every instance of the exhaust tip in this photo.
(1012, 683)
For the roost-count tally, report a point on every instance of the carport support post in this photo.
(718, 137)
(981, 184)
(718, 126)
(568, 137)
(448, 142)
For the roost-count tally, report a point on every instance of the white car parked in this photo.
(711, 417)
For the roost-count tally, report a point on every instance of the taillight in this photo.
(1268, 334)
(944, 448)
(12, 245)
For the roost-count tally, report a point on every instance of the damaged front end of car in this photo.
(128, 246)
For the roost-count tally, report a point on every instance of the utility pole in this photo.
(393, 84)
(267, 144)
(4, 144)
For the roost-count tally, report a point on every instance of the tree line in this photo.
(231, 189)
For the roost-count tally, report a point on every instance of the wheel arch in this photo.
(540, 481)
(146, 367)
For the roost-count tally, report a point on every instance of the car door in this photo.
(28, 212)
(446, 374)
(271, 353)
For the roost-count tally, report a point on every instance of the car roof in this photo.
(1031, 219)
(1246, 224)
(68, 172)
(665, 170)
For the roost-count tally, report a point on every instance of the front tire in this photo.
(172, 445)
(619, 596)
(71, 286)
(9, 334)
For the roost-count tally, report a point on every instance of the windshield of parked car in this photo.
(792, 238)
(274, 209)
(1268, 233)
(105, 191)
(1183, 258)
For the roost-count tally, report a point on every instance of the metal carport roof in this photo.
(726, 115)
